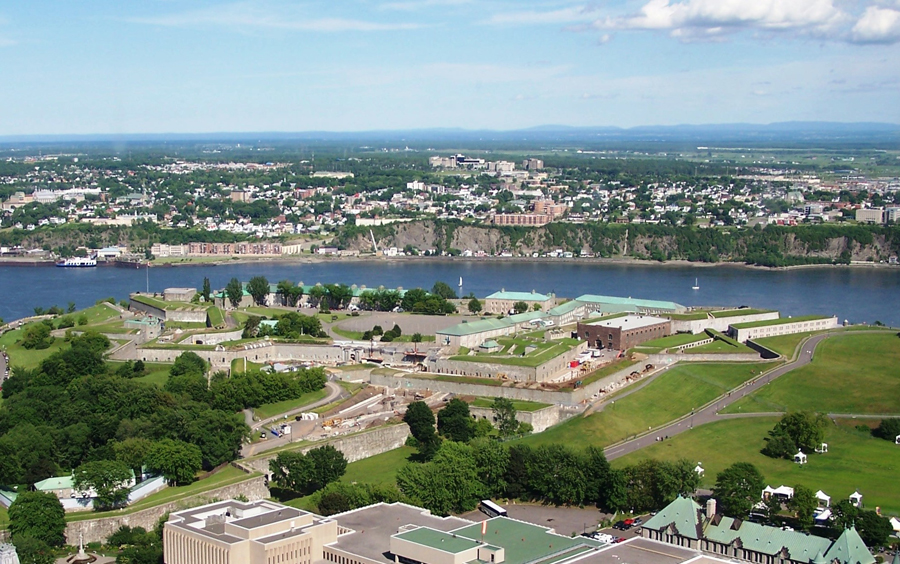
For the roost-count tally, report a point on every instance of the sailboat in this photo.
(696, 285)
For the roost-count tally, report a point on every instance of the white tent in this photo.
(822, 448)
(895, 523)
(800, 458)
(824, 499)
(855, 499)
(699, 469)
(781, 492)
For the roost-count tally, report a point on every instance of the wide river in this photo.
(856, 294)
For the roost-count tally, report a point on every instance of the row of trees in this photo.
(308, 473)
(290, 325)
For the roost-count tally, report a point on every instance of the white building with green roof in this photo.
(613, 304)
(685, 523)
(503, 301)
(742, 332)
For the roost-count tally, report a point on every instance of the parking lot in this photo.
(564, 520)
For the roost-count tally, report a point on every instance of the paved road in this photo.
(249, 450)
(710, 412)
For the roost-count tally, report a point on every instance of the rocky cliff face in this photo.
(794, 245)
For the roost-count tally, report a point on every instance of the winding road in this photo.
(710, 412)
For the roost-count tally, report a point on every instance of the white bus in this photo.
(491, 509)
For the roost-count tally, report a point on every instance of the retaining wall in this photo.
(98, 530)
(718, 323)
(539, 420)
(264, 353)
(354, 447)
(540, 373)
(213, 338)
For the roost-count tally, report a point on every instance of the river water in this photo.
(856, 294)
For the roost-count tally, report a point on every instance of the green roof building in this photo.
(684, 523)
(504, 302)
(612, 304)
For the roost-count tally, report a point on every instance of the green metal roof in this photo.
(448, 542)
(682, 512)
(849, 548)
(767, 540)
(490, 344)
(526, 317)
(518, 296)
(567, 307)
(55, 483)
(523, 542)
(643, 304)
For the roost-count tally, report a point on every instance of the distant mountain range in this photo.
(792, 131)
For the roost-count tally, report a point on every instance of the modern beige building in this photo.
(234, 532)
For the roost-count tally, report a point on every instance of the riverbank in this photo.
(317, 259)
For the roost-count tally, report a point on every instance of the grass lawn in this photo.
(854, 460)
(850, 373)
(672, 395)
(379, 469)
(783, 344)
(687, 316)
(155, 302)
(543, 353)
(224, 477)
(720, 347)
(737, 312)
(115, 326)
(675, 340)
(272, 409)
(269, 312)
(216, 316)
(97, 314)
(20, 356)
(237, 365)
(158, 374)
(470, 380)
(779, 321)
(520, 405)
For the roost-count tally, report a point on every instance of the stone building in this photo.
(622, 333)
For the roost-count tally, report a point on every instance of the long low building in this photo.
(621, 333)
(783, 326)
(613, 304)
(473, 334)
(684, 523)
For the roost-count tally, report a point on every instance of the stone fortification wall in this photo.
(718, 323)
(699, 357)
(213, 338)
(539, 420)
(261, 353)
(572, 397)
(98, 530)
(354, 447)
(183, 316)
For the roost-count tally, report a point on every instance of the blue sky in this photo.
(156, 66)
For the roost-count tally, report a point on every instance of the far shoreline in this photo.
(311, 259)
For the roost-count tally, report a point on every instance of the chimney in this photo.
(710, 508)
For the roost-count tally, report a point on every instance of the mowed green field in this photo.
(850, 373)
(672, 395)
(20, 356)
(855, 460)
(783, 344)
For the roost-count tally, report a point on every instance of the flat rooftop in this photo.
(524, 542)
(448, 542)
(209, 520)
(373, 527)
(629, 322)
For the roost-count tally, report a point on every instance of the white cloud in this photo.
(877, 25)
(710, 19)
(251, 15)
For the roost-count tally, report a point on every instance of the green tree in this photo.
(803, 430)
(188, 363)
(178, 461)
(33, 551)
(206, 291)
(109, 479)
(455, 422)
(290, 293)
(738, 488)
(873, 528)
(448, 484)
(36, 336)
(475, 306)
(38, 515)
(132, 453)
(491, 462)
(420, 419)
(516, 476)
(234, 291)
(803, 504)
(258, 288)
(443, 290)
(556, 474)
(327, 464)
(291, 470)
(505, 416)
(416, 338)
(888, 429)
(520, 307)
(536, 307)
(844, 514)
